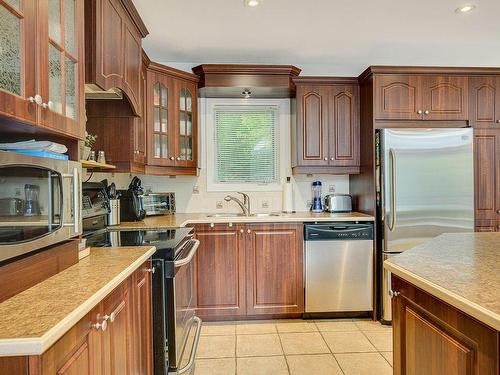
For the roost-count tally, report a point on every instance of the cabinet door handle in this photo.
(325, 159)
(241, 230)
(48, 105)
(37, 99)
(426, 112)
(249, 231)
(332, 159)
(393, 293)
(498, 211)
(101, 326)
(212, 225)
(178, 158)
(230, 225)
(419, 111)
(172, 158)
(151, 270)
(498, 121)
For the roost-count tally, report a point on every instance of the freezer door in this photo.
(427, 185)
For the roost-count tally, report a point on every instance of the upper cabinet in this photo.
(17, 60)
(171, 120)
(484, 101)
(41, 64)
(420, 97)
(325, 126)
(113, 43)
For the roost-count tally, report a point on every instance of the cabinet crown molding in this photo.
(250, 69)
(320, 80)
(135, 17)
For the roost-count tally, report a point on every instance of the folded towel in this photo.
(35, 146)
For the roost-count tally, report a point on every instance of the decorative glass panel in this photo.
(10, 52)
(190, 149)
(188, 101)
(189, 124)
(55, 79)
(156, 94)
(164, 96)
(69, 26)
(183, 148)
(182, 123)
(164, 146)
(71, 88)
(14, 3)
(55, 20)
(183, 100)
(164, 120)
(157, 145)
(156, 119)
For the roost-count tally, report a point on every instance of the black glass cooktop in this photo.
(167, 241)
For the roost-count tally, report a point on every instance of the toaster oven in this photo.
(159, 203)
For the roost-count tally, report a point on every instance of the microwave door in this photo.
(427, 185)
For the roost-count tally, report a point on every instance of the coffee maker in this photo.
(131, 204)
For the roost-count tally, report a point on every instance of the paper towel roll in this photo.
(287, 202)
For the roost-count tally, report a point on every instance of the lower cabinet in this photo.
(115, 338)
(433, 338)
(249, 270)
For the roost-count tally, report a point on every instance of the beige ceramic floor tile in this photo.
(262, 366)
(303, 343)
(216, 347)
(288, 326)
(336, 325)
(388, 356)
(370, 325)
(348, 342)
(317, 364)
(258, 345)
(222, 366)
(363, 364)
(381, 340)
(255, 328)
(218, 329)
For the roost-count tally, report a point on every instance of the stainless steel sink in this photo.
(266, 214)
(226, 215)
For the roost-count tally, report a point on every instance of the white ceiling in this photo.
(330, 37)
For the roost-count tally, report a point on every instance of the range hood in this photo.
(92, 91)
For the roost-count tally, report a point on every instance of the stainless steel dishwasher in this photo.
(339, 267)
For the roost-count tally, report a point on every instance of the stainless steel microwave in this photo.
(41, 203)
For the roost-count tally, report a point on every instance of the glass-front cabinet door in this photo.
(17, 55)
(186, 132)
(62, 65)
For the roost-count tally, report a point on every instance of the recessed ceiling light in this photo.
(465, 8)
(252, 3)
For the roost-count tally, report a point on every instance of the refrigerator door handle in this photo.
(392, 157)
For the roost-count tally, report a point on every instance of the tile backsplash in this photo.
(192, 196)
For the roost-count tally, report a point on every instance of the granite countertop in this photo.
(461, 269)
(181, 220)
(35, 319)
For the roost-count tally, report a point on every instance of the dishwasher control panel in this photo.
(338, 231)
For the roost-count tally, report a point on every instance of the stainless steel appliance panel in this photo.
(57, 214)
(339, 268)
(427, 185)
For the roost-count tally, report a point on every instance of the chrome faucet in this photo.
(245, 205)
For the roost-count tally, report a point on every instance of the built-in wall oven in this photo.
(41, 200)
(176, 328)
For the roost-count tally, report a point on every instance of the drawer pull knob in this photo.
(394, 293)
(101, 326)
(426, 112)
(152, 270)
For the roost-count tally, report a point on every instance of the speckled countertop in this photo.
(33, 320)
(181, 220)
(460, 269)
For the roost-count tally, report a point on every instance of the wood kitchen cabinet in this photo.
(484, 102)
(113, 44)
(171, 121)
(274, 278)
(487, 173)
(251, 270)
(220, 271)
(431, 337)
(325, 126)
(114, 338)
(420, 97)
(42, 72)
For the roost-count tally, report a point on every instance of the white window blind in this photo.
(246, 144)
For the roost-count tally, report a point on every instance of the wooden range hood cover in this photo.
(230, 80)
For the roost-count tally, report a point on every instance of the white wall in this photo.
(204, 201)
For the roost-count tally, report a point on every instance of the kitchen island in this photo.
(446, 306)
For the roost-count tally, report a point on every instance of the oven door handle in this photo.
(187, 259)
(194, 349)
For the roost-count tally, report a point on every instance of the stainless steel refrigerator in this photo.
(424, 188)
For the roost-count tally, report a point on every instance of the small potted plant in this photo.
(89, 142)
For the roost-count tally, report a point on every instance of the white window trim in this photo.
(283, 139)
